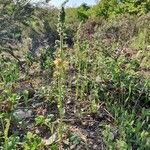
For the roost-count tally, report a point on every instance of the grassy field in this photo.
(94, 95)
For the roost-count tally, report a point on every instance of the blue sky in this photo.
(71, 3)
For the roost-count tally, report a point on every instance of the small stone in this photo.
(95, 147)
(22, 114)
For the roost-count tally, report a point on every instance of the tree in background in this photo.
(136, 6)
(82, 12)
(105, 8)
(108, 8)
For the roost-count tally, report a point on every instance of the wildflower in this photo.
(58, 62)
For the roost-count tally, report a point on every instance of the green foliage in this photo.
(112, 8)
(106, 8)
(75, 139)
(82, 12)
(33, 142)
(133, 131)
(137, 7)
(54, 147)
(8, 72)
(140, 42)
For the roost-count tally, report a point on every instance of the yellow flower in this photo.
(58, 62)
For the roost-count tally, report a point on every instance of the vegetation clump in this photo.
(75, 78)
